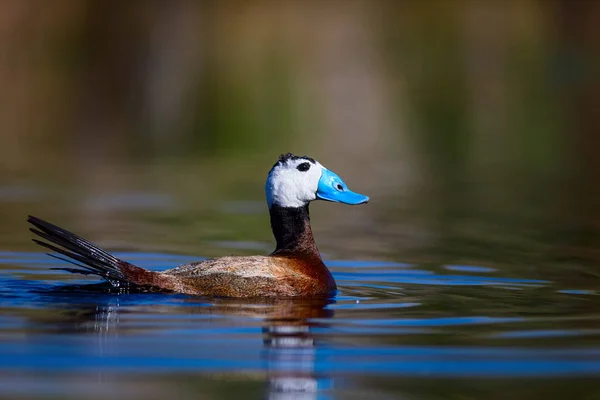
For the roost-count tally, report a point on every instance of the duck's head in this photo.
(295, 181)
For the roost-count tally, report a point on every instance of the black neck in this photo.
(291, 228)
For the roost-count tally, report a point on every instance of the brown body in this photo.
(253, 276)
(294, 269)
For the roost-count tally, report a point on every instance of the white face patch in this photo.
(289, 186)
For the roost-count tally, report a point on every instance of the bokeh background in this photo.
(151, 125)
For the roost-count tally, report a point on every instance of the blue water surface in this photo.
(389, 323)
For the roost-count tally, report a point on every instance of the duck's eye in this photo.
(339, 187)
(303, 167)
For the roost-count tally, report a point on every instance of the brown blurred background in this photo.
(150, 125)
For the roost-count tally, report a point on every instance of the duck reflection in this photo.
(289, 350)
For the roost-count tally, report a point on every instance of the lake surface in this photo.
(395, 330)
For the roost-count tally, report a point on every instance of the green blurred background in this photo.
(151, 125)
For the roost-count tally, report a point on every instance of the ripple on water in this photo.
(469, 268)
(383, 322)
(577, 291)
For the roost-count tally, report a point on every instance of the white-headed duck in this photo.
(294, 269)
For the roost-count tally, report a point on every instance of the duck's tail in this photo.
(89, 258)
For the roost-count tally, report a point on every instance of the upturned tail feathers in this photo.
(88, 258)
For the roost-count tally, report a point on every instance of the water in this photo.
(395, 330)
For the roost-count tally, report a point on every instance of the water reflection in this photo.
(290, 352)
(289, 347)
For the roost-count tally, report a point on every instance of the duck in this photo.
(294, 269)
